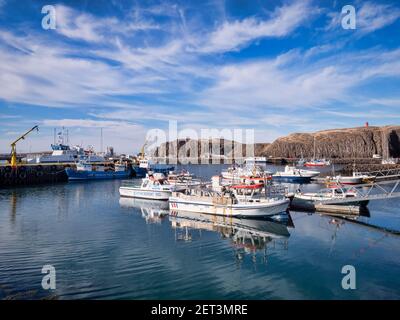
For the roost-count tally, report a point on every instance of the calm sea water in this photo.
(106, 248)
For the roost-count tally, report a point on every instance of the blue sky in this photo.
(129, 66)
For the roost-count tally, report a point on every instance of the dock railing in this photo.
(370, 191)
(393, 173)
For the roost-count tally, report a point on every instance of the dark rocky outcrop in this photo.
(360, 142)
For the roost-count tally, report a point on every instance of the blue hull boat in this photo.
(96, 175)
(292, 179)
(141, 172)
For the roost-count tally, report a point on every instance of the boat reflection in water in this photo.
(153, 211)
(248, 236)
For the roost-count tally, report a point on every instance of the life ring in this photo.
(39, 173)
(22, 175)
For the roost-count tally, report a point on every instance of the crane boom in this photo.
(141, 154)
(14, 143)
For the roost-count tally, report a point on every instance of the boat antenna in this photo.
(101, 140)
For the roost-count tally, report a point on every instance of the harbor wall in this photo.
(31, 175)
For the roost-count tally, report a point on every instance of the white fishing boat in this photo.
(183, 179)
(230, 202)
(63, 153)
(365, 177)
(354, 179)
(292, 173)
(308, 200)
(255, 161)
(154, 186)
(238, 174)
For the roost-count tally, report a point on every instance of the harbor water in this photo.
(103, 247)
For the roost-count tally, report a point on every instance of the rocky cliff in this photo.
(360, 142)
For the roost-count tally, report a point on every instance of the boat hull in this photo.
(74, 175)
(132, 192)
(293, 178)
(350, 180)
(236, 210)
(139, 171)
(315, 165)
(309, 204)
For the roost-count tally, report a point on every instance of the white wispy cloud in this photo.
(279, 83)
(372, 16)
(388, 102)
(39, 74)
(237, 34)
(82, 26)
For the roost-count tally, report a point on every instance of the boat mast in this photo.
(314, 147)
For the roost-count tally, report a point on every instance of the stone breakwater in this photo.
(348, 168)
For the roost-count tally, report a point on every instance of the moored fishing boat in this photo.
(96, 171)
(254, 174)
(354, 179)
(183, 179)
(255, 161)
(317, 163)
(229, 202)
(292, 173)
(154, 186)
(150, 166)
(309, 200)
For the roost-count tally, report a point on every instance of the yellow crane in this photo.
(14, 146)
(141, 154)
